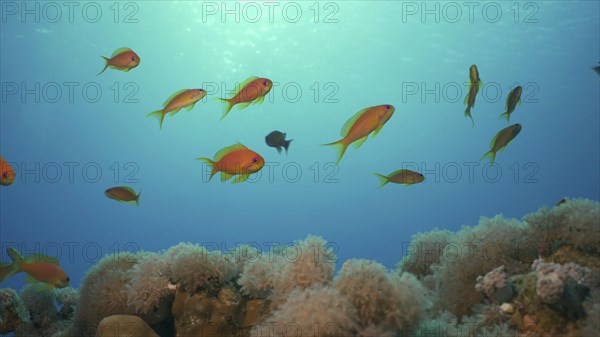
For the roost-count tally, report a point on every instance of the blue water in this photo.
(365, 54)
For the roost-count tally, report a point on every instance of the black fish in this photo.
(277, 140)
(597, 69)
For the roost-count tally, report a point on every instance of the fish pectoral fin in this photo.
(356, 144)
(260, 100)
(376, 131)
(43, 287)
(30, 279)
(225, 176)
(241, 178)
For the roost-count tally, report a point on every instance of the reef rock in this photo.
(124, 326)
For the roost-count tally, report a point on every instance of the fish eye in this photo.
(387, 107)
(133, 58)
(201, 90)
(67, 279)
(265, 82)
(255, 160)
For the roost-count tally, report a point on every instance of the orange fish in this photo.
(8, 175)
(235, 160)
(251, 91)
(363, 123)
(40, 268)
(474, 84)
(123, 59)
(179, 100)
(404, 177)
(123, 194)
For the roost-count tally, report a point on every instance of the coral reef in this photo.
(495, 285)
(503, 277)
(12, 311)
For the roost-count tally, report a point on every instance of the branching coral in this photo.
(101, 293)
(257, 275)
(575, 223)
(302, 265)
(12, 311)
(196, 269)
(424, 250)
(148, 289)
(381, 299)
(319, 311)
(50, 311)
(494, 242)
(277, 273)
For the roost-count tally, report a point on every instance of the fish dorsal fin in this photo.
(244, 84)
(120, 51)
(348, 125)
(225, 151)
(173, 96)
(41, 258)
(359, 142)
(129, 189)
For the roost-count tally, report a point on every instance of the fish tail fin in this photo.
(105, 65)
(383, 180)
(490, 154)
(137, 198)
(507, 115)
(8, 270)
(342, 146)
(468, 114)
(286, 145)
(228, 107)
(212, 164)
(158, 114)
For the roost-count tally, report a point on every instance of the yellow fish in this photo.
(474, 84)
(123, 59)
(357, 129)
(502, 138)
(404, 177)
(179, 100)
(251, 91)
(40, 268)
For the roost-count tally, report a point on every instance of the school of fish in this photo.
(237, 162)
